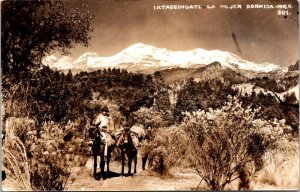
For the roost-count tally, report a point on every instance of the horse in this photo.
(144, 137)
(98, 149)
(128, 142)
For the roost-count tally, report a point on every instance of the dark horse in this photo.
(128, 143)
(98, 149)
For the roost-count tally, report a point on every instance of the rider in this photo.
(104, 123)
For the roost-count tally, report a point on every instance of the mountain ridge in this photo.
(148, 59)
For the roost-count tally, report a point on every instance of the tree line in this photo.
(50, 95)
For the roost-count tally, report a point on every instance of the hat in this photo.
(105, 109)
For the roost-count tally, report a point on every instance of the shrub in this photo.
(51, 158)
(282, 168)
(18, 126)
(15, 162)
(166, 148)
(153, 117)
(229, 143)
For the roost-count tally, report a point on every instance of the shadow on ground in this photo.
(110, 174)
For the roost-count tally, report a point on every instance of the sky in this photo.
(258, 35)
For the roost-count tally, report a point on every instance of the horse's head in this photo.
(128, 139)
(94, 134)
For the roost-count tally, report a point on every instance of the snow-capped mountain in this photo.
(146, 58)
(62, 63)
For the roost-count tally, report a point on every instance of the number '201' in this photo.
(282, 12)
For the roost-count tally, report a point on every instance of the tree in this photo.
(294, 67)
(32, 29)
(290, 98)
(156, 119)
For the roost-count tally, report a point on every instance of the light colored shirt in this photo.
(105, 121)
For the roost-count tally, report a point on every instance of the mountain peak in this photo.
(139, 48)
(138, 45)
(85, 57)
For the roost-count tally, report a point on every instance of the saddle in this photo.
(108, 139)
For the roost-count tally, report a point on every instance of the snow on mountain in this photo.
(63, 62)
(142, 58)
(85, 57)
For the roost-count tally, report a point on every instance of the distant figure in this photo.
(149, 132)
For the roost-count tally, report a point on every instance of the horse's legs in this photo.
(107, 167)
(123, 161)
(95, 164)
(102, 165)
(129, 163)
(135, 162)
(144, 160)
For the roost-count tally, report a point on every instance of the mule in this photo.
(98, 149)
(128, 144)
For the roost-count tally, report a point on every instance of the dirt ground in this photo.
(145, 180)
(142, 180)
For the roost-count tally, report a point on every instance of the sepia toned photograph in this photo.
(149, 95)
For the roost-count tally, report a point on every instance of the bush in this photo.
(18, 126)
(229, 143)
(41, 161)
(51, 158)
(15, 163)
(153, 117)
(166, 148)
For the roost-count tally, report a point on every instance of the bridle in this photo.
(95, 135)
(128, 138)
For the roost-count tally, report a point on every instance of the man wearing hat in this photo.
(105, 125)
(103, 120)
